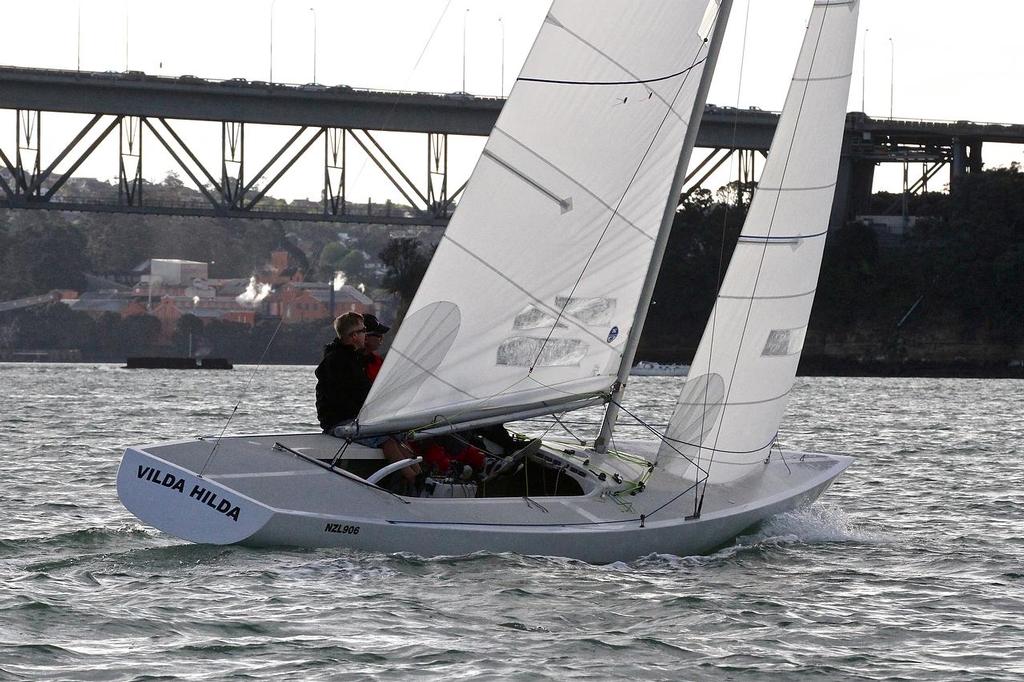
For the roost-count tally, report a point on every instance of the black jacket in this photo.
(342, 384)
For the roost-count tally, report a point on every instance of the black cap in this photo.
(373, 325)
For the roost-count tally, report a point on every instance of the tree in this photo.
(847, 283)
(331, 258)
(353, 264)
(699, 247)
(43, 252)
(139, 333)
(406, 264)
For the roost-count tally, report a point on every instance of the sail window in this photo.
(528, 351)
(784, 342)
(591, 311)
(700, 402)
(428, 335)
(533, 317)
(707, 24)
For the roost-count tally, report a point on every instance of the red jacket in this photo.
(373, 364)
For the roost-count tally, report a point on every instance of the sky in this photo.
(918, 59)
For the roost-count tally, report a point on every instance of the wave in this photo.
(85, 538)
(815, 524)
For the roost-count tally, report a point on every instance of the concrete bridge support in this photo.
(965, 158)
(853, 189)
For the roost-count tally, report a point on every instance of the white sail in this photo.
(740, 379)
(530, 295)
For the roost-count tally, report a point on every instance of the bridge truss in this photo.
(135, 108)
(230, 190)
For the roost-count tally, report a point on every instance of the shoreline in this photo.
(809, 367)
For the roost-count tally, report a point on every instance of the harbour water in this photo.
(911, 567)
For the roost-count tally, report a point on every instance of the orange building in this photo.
(172, 308)
(308, 301)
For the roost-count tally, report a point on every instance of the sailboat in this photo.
(533, 305)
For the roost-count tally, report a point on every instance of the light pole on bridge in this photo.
(464, 17)
(313, 10)
(892, 72)
(864, 72)
(272, 3)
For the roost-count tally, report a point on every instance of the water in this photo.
(911, 567)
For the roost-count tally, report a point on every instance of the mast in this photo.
(629, 350)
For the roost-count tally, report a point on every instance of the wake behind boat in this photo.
(561, 231)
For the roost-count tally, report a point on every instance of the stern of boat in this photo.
(183, 503)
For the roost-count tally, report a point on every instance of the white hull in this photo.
(256, 495)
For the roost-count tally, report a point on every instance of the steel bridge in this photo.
(135, 106)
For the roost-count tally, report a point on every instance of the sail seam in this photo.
(797, 189)
(768, 239)
(547, 308)
(431, 373)
(573, 180)
(722, 450)
(685, 72)
(559, 81)
(762, 401)
(822, 78)
(768, 298)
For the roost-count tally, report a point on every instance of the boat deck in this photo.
(257, 467)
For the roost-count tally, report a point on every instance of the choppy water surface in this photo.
(911, 567)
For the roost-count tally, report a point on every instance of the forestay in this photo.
(740, 379)
(529, 297)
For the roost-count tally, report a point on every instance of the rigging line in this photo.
(667, 439)
(551, 386)
(447, 419)
(252, 376)
(661, 437)
(564, 428)
(547, 308)
(782, 453)
(341, 451)
(637, 81)
(429, 372)
(431, 36)
(622, 198)
(340, 472)
(482, 402)
(394, 107)
(721, 248)
(578, 422)
(681, 493)
(771, 224)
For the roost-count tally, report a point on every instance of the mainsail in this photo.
(740, 379)
(530, 295)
